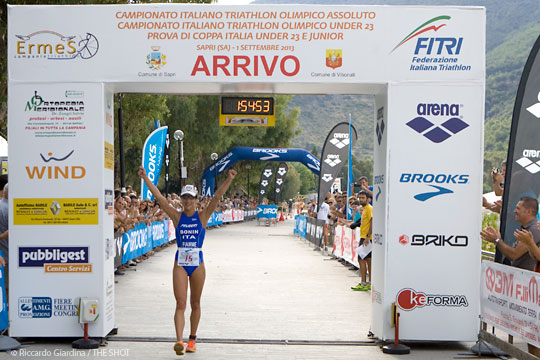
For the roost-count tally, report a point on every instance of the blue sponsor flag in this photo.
(4, 321)
(152, 159)
(350, 177)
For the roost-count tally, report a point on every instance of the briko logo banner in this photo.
(152, 159)
(261, 154)
(264, 184)
(280, 179)
(523, 163)
(267, 211)
(335, 154)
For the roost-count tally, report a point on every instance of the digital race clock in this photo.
(247, 111)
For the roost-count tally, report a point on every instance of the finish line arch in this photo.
(424, 65)
(257, 154)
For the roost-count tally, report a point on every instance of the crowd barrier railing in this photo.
(345, 240)
(143, 239)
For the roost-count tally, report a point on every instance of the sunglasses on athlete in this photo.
(188, 197)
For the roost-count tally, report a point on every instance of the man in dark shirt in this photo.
(525, 213)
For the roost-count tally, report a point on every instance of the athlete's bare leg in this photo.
(180, 285)
(196, 284)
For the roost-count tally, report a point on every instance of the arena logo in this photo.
(379, 129)
(409, 299)
(527, 163)
(38, 104)
(340, 140)
(51, 45)
(332, 160)
(435, 240)
(535, 108)
(436, 133)
(429, 179)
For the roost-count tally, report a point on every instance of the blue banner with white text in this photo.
(267, 211)
(152, 159)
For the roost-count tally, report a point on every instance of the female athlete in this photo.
(188, 267)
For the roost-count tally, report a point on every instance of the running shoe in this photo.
(357, 287)
(368, 286)
(191, 348)
(179, 348)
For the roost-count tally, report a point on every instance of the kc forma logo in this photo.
(437, 133)
(432, 179)
(409, 299)
(527, 163)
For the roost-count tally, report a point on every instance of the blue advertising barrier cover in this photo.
(142, 239)
(259, 154)
(152, 159)
(300, 225)
(267, 211)
(4, 322)
(215, 219)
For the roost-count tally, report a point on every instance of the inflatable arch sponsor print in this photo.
(257, 154)
(424, 65)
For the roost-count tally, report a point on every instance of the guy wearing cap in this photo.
(189, 265)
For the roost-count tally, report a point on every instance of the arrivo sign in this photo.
(249, 65)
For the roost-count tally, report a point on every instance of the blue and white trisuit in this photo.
(189, 237)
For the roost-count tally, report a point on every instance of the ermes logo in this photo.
(55, 46)
(49, 170)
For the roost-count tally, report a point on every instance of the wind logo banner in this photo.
(152, 159)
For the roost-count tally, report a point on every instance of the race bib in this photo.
(188, 257)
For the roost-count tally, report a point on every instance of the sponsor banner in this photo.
(118, 249)
(509, 300)
(216, 219)
(4, 321)
(300, 224)
(160, 233)
(152, 159)
(60, 259)
(42, 307)
(267, 211)
(279, 42)
(55, 211)
(264, 183)
(259, 154)
(335, 154)
(523, 162)
(346, 243)
(109, 156)
(280, 179)
(136, 242)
